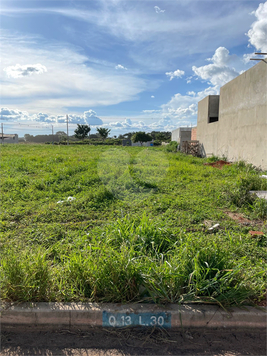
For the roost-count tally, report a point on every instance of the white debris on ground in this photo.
(260, 193)
(68, 199)
(214, 227)
(263, 176)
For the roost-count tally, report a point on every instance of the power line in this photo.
(48, 124)
(259, 59)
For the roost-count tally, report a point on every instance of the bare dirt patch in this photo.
(239, 218)
(118, 342)
(218, 164)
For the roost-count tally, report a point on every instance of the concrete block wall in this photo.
(181, 134)
(144, 144)
(8, 138)
(176, 135)
(241, 130)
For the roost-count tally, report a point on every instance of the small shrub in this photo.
(172, 147)
(213, 159)
(241, 196)
(260, 208)
(157, 143)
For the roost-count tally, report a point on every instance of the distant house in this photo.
(126, 142)
(9, 138)
(181, 134)
(234, 123)
(144, 144)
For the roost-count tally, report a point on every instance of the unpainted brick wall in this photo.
(194, 134)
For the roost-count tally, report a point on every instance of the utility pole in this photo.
(2, 129)
(67, 117)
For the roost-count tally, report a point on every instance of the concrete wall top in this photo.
(248, 90)
(185, 129)
(241, 130)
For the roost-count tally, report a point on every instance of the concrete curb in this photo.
(84, 315)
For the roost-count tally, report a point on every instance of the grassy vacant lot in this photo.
(135, 228)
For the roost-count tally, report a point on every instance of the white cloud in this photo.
(91, 118)
(181, 110)
(115, 124)
(189, 79)
(221, 57)
(127, 123)
(247, 56)
(151, 111)
(176, 74)
(19, 71)
(148, 42)
(165, 123)
(119, 66)
(73, 119)
(41, 117)
(258, 32)
(83, 85)
(158, 9)
(219, 72)
(184, 107)
(152, 96)
(12, 114)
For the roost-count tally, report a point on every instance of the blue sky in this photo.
(126, 65)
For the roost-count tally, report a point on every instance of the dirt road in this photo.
(117, 342)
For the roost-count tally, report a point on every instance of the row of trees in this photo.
(155, 135)
(141, 137)
(83, 132)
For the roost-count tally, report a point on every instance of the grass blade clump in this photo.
(143, 234)
(25, 276)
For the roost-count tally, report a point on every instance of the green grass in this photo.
(136, 230)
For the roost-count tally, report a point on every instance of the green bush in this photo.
(157, 143)
(171, 147)
(241, 196)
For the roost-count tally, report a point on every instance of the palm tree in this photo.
(82, 131)
(103, 132)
